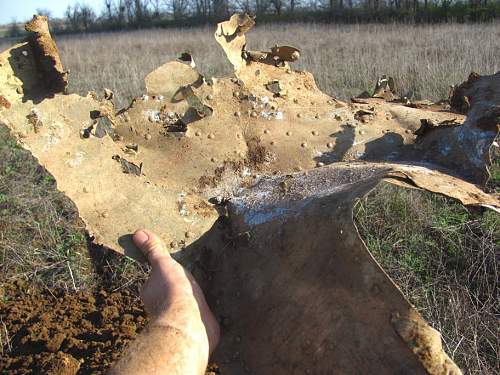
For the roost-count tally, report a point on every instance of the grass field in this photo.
(345, 59)
(443, 256)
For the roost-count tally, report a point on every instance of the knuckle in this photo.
(153, 247)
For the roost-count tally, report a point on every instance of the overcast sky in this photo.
(22, 10)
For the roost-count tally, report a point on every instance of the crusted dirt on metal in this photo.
(193, 149)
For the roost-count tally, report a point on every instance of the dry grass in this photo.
(444, 258)
(40, 235)
(345, 59)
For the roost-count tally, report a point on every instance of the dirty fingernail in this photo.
(140, 237)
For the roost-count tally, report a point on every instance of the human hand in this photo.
(172, 297)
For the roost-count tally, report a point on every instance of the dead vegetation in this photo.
(445, 260)
(344, 59)
(431, 278)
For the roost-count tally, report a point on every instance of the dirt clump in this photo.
(52, 332)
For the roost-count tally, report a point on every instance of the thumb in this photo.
(151, 245)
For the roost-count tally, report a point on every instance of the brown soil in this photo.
(60, 333)
(65, 333)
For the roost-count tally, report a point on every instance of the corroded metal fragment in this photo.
(46, 54)
(195, 148)
(301, 268)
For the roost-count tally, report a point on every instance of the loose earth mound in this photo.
(55, 333)
(52, 332)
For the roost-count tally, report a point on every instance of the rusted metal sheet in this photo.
(285, 163)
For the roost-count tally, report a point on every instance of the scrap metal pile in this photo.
(251, 180)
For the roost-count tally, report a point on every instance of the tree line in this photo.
(135, 14)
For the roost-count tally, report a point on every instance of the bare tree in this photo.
(219, 9)
(108, 4)
(141, 12)
(156, 6)
(261, 6)
(278, 6)
(202, 9)
(179, 9)
(80, 17)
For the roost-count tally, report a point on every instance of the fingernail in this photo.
(140, 237)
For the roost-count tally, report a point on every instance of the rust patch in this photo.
(4, 102)
(425, 342)
(459, 96)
